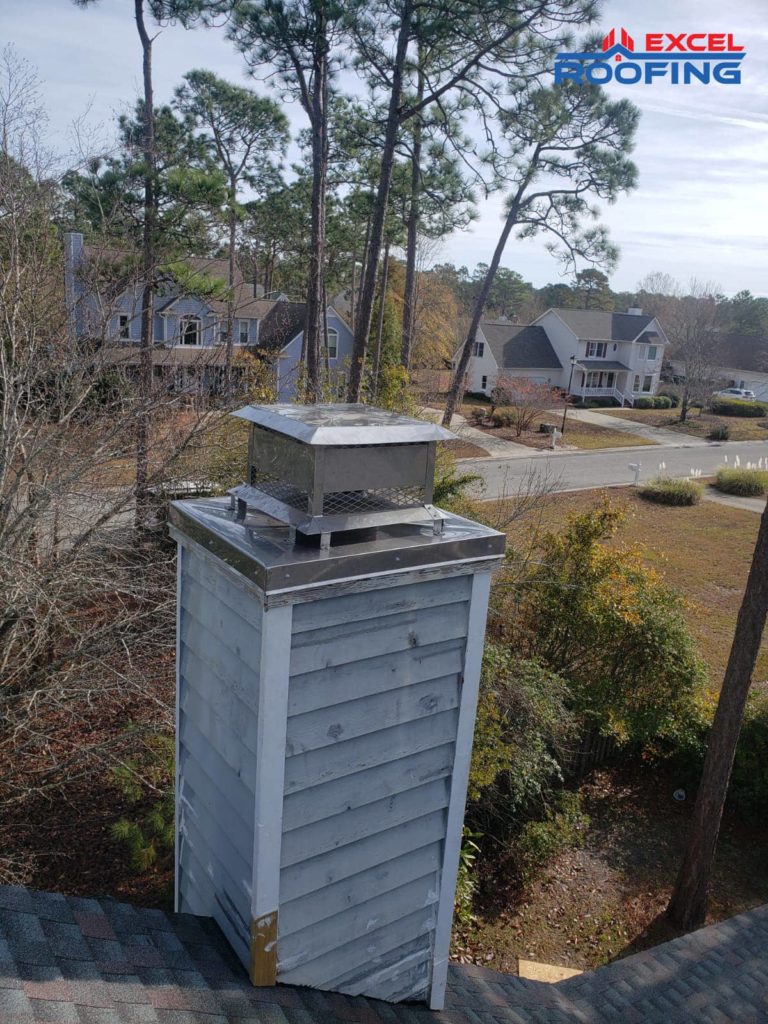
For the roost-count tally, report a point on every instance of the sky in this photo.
(701, 205)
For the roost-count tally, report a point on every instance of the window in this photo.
(190, 330)
(243, 332)
(636, 382)
(333, 342)
(647, 383)
(483, 383)
(652, 350)
(597, 349)
(478, 349)
(123, 327)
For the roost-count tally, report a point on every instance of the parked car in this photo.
(736, 393)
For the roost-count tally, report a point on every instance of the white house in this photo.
(588, 352)
(742, 363)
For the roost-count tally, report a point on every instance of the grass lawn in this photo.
(605, 900)
(703, 550)
(699, 424)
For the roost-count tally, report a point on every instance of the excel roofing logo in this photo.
(681, 59)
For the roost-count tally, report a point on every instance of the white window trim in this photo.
(652, 358)
(243, 322)
(333, 350)
(593, 350)
(483, 382)
(123, 322)
(649, 378)
(183, 321)
(478, 349)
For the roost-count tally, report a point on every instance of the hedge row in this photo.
(735, 407)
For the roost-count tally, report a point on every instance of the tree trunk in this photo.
(319, 121)
(684, 403)
(409, 298)
(352, 289)
(456, 392)
(368, 284)
(688, 905)
(143, 423)
(231, 296)
(380, 319)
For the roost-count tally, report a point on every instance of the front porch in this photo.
(611, 380)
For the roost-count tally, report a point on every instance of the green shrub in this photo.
(466, 880)
(522, 723)
(502, 418)
(606, 622)
(746, 483)
(477, 415)
(540, 842)
(644, 402)
(748, 791)
(736, 407)
(662, 402)
(665, 490)
(673, 396)
(149, 833)
(719, 433)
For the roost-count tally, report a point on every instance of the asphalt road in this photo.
(568, 471)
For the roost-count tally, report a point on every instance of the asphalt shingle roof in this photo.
(283, 322)
(602, 364)
(598, 325)
(70, 960)
(517, 346)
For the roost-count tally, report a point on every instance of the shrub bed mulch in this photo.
(606, 900)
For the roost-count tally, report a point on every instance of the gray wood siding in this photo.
(218, 668)
(373, 702)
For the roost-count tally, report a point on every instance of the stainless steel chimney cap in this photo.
(343, 424)
(325, 469)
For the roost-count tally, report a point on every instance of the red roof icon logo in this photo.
(625, 39)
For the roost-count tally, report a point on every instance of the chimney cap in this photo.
(635, 311)
(343, 424)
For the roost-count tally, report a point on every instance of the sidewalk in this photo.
(658, 435)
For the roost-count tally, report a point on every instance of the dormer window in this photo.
(333, 343)
(597, 349)
(190, 330)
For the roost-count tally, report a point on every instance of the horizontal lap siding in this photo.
(373, 709)
(219, 648)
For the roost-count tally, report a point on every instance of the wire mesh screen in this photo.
(357, 502)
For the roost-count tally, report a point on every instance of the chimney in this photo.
(330, 633)
(635, 311)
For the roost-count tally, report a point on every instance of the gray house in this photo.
(104, 296)
(589, 352)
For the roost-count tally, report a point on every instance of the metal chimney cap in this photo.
(343, 424)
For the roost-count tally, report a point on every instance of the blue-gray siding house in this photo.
(104, 298)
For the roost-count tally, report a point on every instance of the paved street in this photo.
(568, 471)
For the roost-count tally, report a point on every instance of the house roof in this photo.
(599, 325)
(283, 322)
(602, 364)
(518, 346)
(71, 960)
(177, 355)
(744, 352)
(245, 304)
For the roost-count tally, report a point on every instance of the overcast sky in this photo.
(701, 208)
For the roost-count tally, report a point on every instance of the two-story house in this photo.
(104, 298)
(587, 352)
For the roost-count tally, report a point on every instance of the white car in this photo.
(736, 393)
